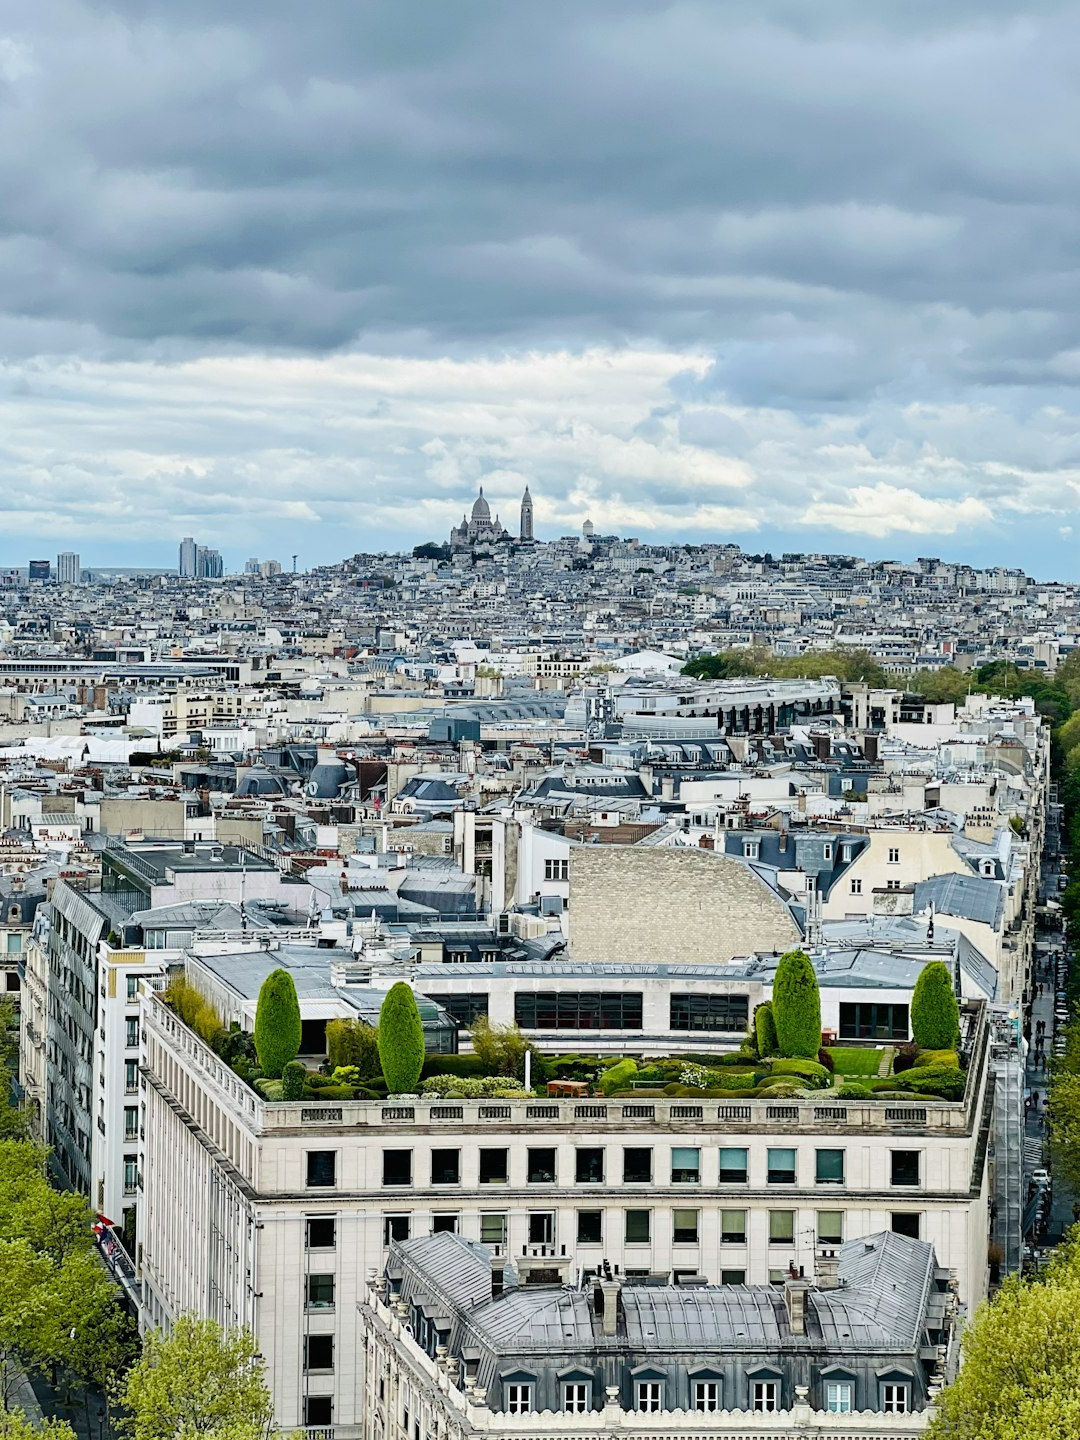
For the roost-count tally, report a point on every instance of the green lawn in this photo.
(855, 1060)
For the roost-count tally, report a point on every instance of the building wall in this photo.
(635, 903)
(210, 1141)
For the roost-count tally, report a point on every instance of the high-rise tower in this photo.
(527, 516)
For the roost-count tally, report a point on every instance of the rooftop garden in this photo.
(781, 1056)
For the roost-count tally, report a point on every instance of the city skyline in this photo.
(639, 258)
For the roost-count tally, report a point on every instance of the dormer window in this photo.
(988, 869)
(827, 851)
(751, 849)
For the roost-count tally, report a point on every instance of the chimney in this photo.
(822, 743)
(870, 748)
(497, 1281)
(606, 1304)
(827, 1270)
(795, 1300)
(667, 788)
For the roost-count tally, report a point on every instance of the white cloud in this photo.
(881, 510)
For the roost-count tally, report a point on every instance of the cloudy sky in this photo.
(298, 277)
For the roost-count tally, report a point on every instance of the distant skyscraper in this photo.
(187, 557)
(527, 516)
(40, 570)
(208, 563)
(68, 569)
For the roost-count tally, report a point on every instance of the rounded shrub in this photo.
(293, 1081)
(401, 1040)
(852, 1090)
(807, 1069)
(277, 1023)
(765, 1030)
(935, 1015)
(796, 1007)
(618, 1077)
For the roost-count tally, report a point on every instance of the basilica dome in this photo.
(481, 510)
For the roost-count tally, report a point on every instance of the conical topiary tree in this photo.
(277, 1024)
(935, 1015)
(796, 1007)
(401, 1040)
(765, 1030)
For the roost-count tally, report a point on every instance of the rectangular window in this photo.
(733, 1169)
(684, 1227)
(650, 1395)
(590, 1227)
(131, 1174)
(556, 869)
(856, 887)
(830, 1227)
(685, 1165)
(865, 1020)
(894, 855)
(445, 1222)
(446, 1167)
(905, 1167)
(397, 1167)
(838, 1397)
(462, 1008)
(395, 1227)
(319, 1411)
(133, 987)
(733, 1227)
(589, 1166)
(764, 1395)
(493, 1167)
(519, 1399)
(131, 1122)
(638, 1227)
(320, 1292)
(131, 1034)
(894, 1399)
(131, 1076)
(321, 1232)
(905, 1222)
(492, 1228)
(732, 1277)
(321, 1169)
(541, 1166)
(728, 1013)
(575, 1396)
(707, 1395)
(318, 1352)
(637, 1166)
(782, 1167)
(829, 1167)
(578, 1010)
(541, 1227)
(14, 943)
(781, 1227)
(892, 884)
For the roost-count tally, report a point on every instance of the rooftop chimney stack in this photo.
(828, 1270)
(795, 1300)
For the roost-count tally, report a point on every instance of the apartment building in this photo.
(273, 1214)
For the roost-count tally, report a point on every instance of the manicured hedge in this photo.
(796, 1007)
(277, 1023)
(618, 1077)
(935, 1014)
(452, 1065)
(401, 1040)
(765, 1030)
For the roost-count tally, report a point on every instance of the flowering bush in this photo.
(695, 1076)
(465, 1087)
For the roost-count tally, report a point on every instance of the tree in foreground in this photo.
(796, 1007)
(197, 1380)
(401, 1040)
(15, 1426)
(935, 1015)
(277, 1024)
(1021, 1370)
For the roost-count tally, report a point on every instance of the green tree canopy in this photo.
(796, 1007)
(935, 1014)
(197, 1381)
(765, 1030)
(1021, 1370)
(401, 1040)
(15, 1426)
(277, 1023)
